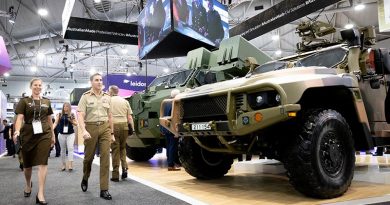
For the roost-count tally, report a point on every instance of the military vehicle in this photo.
(311, 117)
(204, 67)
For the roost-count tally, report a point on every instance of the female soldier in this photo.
(36, 136)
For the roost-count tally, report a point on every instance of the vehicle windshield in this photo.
(173, 79)
(328, 58)
(276, 65)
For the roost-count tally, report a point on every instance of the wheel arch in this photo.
(341, 99)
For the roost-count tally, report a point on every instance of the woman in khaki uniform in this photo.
(36, 136)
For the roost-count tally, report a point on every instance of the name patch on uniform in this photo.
(44, 105)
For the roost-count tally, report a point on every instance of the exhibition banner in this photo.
(101, 31)
(5, 63)
(384, 15)
(277, 16)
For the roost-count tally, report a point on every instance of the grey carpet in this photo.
(64, 187)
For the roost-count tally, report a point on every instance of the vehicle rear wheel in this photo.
(201, 163)
(140, 154)
(321, 160)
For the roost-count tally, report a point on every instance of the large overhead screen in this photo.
(203, 20)
(154, 24)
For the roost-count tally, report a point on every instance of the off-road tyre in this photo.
(321, 159)
(139, 154)
(200, 163)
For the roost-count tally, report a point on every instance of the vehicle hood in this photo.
(295, 80)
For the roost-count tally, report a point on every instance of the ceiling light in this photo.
(97, 1)
(72, 65)
(275, 37)
(71, 70)
(6, 74)
(349, 26)
(92, 71)
(11, 21)
(34, 68)
(128, 74)
(278, 52)
(40, 55)
(359, 7)
(166, 70)
(134, 73)
(43, 12)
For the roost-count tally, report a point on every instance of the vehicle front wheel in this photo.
(140, 154)
(321, 160)
(201, 163)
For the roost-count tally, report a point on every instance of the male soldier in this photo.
(122, 119)
(95, 122)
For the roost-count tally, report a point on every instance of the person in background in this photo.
(8, 139)
(180, 12)
(95, 122)
(57, 145)
(64, 123)
(171, 140)
(37, 136)
(122, 119)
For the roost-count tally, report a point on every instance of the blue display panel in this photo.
(154, 24)
(206, 21)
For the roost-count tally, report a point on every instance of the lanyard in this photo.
(65, 116)
(40, 106)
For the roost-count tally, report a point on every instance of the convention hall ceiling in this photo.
(34, 42)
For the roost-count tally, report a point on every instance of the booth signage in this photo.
(5, 63)
(277, 16)
(102, 31)
(134, 83)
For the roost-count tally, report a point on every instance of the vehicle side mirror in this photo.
(375, 84)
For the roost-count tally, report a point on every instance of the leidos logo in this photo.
(137, 83)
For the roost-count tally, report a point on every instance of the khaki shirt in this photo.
(120, 108)
(96, 108)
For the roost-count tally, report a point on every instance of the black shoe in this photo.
(105, 195)
(124, 174)
(114, 179)
(21, 166)
(39, 202)
(57, 155)
(84, 185)
(27, 194)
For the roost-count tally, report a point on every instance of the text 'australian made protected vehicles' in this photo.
(312, 117)
(205, 67)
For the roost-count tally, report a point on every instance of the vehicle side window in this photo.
(206, 77)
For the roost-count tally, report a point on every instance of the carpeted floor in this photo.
(64, 187)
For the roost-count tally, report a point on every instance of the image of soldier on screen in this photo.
(180, 12)
(199, 17)
(215, 30)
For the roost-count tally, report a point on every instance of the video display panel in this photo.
(205, 20)
(154, 24)
(5, 63)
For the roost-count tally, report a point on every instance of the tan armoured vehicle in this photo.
(311, 117)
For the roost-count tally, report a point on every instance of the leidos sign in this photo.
(135, 83)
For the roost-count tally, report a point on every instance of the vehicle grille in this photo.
(204, 109)
(239, 101)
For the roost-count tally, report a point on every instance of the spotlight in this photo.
(278, 52)
(349, 26)
(6, 74)
(43, 12)
(359, 7)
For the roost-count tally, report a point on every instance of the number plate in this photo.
(200, 126)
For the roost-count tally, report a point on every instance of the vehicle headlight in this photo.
(263, 99)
